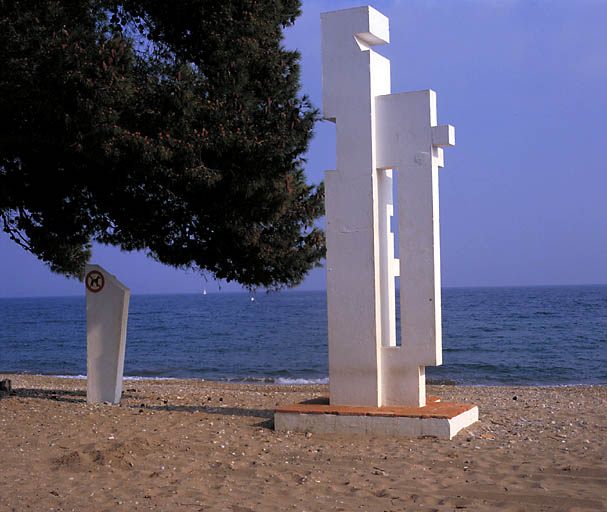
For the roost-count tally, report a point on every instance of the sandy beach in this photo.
(199, 445)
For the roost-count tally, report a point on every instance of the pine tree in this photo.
(171, 127)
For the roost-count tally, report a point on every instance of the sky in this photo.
(522, 193)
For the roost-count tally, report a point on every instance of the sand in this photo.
(197, 445)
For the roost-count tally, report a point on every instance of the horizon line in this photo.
(266, 292)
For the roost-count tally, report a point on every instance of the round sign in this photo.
(94, 281)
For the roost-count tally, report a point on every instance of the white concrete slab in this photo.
(405, 426)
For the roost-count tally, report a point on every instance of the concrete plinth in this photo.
(439, 419)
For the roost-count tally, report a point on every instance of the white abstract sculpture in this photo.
(376, 132)
(107, 305)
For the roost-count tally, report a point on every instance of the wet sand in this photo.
(198, 445)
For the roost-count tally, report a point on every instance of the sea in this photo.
(548, 336)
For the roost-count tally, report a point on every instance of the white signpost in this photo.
(378, 132)
(107, 306)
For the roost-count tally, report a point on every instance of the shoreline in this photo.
(188, 444)
(320, 381)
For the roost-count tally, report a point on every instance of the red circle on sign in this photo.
(94, 281)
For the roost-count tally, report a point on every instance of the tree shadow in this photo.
(223, 411)
(56, 395)
(79, 397)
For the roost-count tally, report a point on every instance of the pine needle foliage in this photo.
(176, 128)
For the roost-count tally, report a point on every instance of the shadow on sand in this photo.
(79, 397)
(58, 395)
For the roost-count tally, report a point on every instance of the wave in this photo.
(280, 381)
(297, 381)
(286, 381)
(83, 377)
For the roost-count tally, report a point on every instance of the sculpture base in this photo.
(438, 419)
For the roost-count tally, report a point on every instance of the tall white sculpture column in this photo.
(107, 306)
(377, 385)
(408, 139)
(377, 132)
(353, 75)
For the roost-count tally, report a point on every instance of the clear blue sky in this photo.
(523, 191)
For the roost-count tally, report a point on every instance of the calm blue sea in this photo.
(504, 336)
